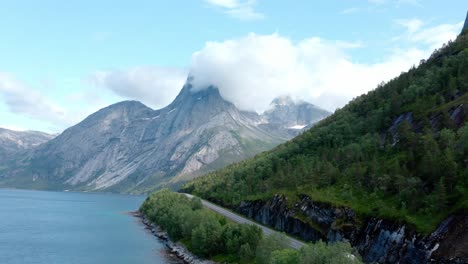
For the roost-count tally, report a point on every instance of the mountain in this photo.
(129, 147)
(13, 142)
(388, 172)
(289, 118)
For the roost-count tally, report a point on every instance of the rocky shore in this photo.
(177, 249)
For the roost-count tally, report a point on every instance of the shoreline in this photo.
(177, 249)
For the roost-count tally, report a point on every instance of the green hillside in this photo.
(397, 152)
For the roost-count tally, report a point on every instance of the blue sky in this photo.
(61, 61)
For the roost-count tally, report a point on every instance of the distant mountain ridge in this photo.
(12, 142)
(129, 147)
(291, 118)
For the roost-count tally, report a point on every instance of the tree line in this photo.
(210, 235)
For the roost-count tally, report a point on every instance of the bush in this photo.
(285, 256)
(321, 253)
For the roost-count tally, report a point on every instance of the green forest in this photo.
(210, 235)
(397, 152)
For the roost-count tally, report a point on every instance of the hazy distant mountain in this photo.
(13, 142)
(129, 147)
(290, 118)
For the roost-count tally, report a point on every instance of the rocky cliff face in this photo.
(377, 240)
(129, 147)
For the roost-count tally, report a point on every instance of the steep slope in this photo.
(12, 142)
(129, 147)
(383, 172)
(465, 26)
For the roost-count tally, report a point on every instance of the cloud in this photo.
(411, 25)
(154, 86)
(435, 36)
(24, 100)
(350, 10)
(240, 9)
(251, 71)
(431, 37)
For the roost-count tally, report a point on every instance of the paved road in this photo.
(294, 243)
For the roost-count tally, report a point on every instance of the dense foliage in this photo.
(274, 250)
(320, 252)
(205, 232)
(208, 234)
(398, 151)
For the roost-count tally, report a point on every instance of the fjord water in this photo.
(61, 227)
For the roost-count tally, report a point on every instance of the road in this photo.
(293, 243)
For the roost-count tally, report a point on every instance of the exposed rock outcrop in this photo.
(376, 239)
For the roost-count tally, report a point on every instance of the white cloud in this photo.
(24, 100)
(411, 25)
(240, 9)
(435, 36)
(251, 71)
(154, 86)
(350, 10)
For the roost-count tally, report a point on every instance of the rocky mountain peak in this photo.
(129, 104)
(282, 101)
(189, 93)
(296, 115)
(129, 147)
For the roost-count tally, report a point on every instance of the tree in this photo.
(447, 138)
(269, 244)
(462, 142)
(321, 253)
(206, 238)
(246, 254)
(428, 166)
(285, 256)
(196, 203)
(449, 169)
(441, 195)
(199, 241)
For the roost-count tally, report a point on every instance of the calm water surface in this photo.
(60, 227)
